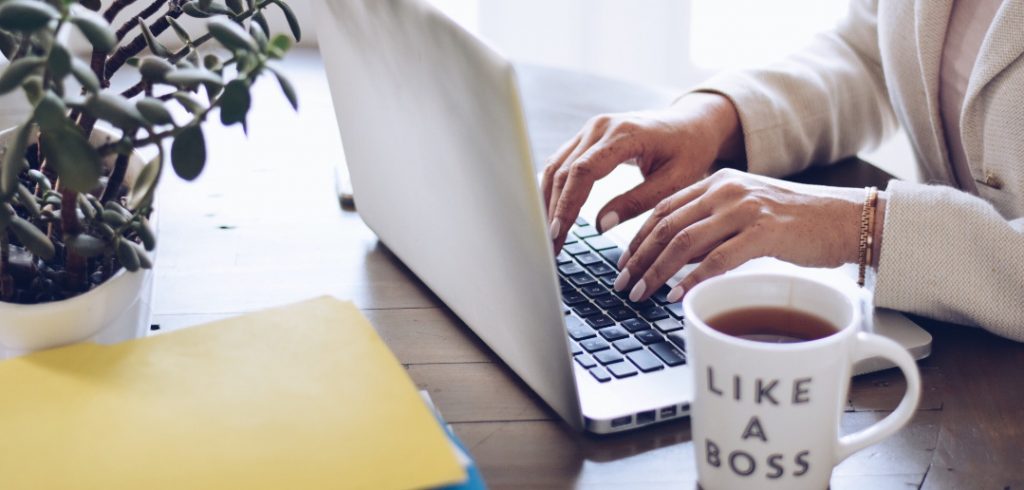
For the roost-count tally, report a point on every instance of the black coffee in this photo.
(772, 324)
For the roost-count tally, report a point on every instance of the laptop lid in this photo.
(437, 148)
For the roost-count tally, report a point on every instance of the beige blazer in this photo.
(945, 253)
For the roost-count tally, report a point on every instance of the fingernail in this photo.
(624, 259)
(556, 227)
(675, 294)
(638, 291)
(609, 221)
(622, 280)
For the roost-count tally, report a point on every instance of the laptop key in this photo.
(580, 332)
(585, 231)
(612, 334)
(570, 238)
(661, 297)
(600, 269)
(594, 290)
(586, 361)
(627, 345)
(600, 374)
(621, 313)
(608, 301)
(634, 325)
(581, 222)
(573, 298)
(641, 306)
(612, 255)
(668, 325)
(645, 361)
(600, 321)
(678, 339)
(676, 309)
(649, 337)
(575, 349)
(654, 314)
(608, 280)
(600, 243)
(608, 357)
(588, 259)
(570, 269)
(594, 345)
(582, 279)
(622, 369)
(586, 309)
(668, 353)
(576, 248)
(563, 258)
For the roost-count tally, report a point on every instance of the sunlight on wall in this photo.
(738, 33)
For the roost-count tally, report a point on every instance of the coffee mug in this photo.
(767, 400)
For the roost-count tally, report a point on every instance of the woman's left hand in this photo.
(732, 217)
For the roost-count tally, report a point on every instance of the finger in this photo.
(632, 203)
(554, 163)
(661, 211)
(658, 239)
(696, 239)
(561, 175)
(724, 258)
(594, 164)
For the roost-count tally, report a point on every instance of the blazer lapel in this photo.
(930, 24)
(1003, 45)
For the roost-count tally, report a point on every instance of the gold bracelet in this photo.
(867, 233)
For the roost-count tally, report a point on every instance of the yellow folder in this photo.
(300, 397)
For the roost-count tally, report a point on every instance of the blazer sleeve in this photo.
(951, 256)
(824, 103)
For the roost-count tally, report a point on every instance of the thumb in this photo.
(632, 203)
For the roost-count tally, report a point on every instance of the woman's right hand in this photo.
(673, 147)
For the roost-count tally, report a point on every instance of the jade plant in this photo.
(69, 220)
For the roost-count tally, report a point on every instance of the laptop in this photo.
(440, 161)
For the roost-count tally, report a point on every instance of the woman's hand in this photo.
(732, 217)
(673, 147)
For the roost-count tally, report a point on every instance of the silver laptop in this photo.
(440, 161)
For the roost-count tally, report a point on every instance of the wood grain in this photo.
(261, 227)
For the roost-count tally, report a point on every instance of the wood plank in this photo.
(884, 390)
(479, 392)
(909, 451)
(428, 336)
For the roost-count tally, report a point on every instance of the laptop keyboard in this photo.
(611, 336)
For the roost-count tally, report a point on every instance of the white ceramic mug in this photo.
(766, 415)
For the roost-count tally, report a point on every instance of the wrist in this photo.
(722, 122)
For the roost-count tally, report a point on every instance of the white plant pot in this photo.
(117, 310)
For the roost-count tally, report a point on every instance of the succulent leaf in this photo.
(230, 35)
(34, 240)
(19, 70)
(14, 161)
(235, 102)
(188, 153)
(26, 15)
(96, 29)
(76, 162)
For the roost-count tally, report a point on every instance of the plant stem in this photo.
(116, 178)
(118, 59)
(74, 264)
(26, 41)
(134, 21)
(181, 53)
(116, 8)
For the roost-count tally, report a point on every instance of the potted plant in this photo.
(77, 199)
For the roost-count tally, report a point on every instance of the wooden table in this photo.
(262, 228)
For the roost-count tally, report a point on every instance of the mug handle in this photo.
(867, 346)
